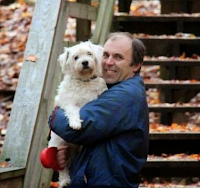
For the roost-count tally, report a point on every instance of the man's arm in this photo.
(102, 118)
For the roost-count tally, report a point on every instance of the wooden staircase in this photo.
(153, 28)
(39, 77)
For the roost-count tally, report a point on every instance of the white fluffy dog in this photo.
(82, 83)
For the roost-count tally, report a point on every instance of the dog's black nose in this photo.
(85, 63)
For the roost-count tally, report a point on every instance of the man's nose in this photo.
(110, 61)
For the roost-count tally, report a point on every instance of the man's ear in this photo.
(63, 58)
(136, 67)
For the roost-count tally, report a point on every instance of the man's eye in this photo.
(105, 55)
(118, 57)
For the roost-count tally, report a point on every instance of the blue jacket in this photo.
(114, 137)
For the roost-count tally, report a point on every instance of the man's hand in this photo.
(62, 156)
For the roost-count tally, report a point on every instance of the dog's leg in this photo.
(72, 112)
(56, 141)
(64, 178)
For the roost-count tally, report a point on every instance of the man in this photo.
(114, 134)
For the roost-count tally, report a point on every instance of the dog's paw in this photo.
(64, 180)
(64, 183)
(75, 124)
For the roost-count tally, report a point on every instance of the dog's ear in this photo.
(63, 59)
(98, 51)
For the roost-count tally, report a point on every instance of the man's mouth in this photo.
(110, 71)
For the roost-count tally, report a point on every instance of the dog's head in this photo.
(82, 61)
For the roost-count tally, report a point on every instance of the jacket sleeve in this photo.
(114, 112)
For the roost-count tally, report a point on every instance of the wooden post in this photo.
(104, 20)
(83, 26)
(7, 2)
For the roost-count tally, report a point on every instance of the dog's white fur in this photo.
(82, 83)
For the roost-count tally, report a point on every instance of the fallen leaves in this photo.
(4, 164)
(15, 24)
(5, 109)
(32, 58)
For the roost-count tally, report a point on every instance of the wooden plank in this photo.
(34, 96)
(157, 18)
(151, 171)
(167, 163)
(39, 176)
(104, 20)
(11, 177)
(69, 43)
(174, 40)
(11, 172)
(168, 86)
(173, 108)
(12, 183)
(174, 136)
(83, 11)
(172, 62)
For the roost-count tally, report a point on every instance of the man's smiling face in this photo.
(116, 59)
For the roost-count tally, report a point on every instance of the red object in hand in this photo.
(48, 158)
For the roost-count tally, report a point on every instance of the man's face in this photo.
(116, 60)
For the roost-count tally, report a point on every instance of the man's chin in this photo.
(110, 80)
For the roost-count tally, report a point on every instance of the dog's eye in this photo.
(76, 57)
(89, 53)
